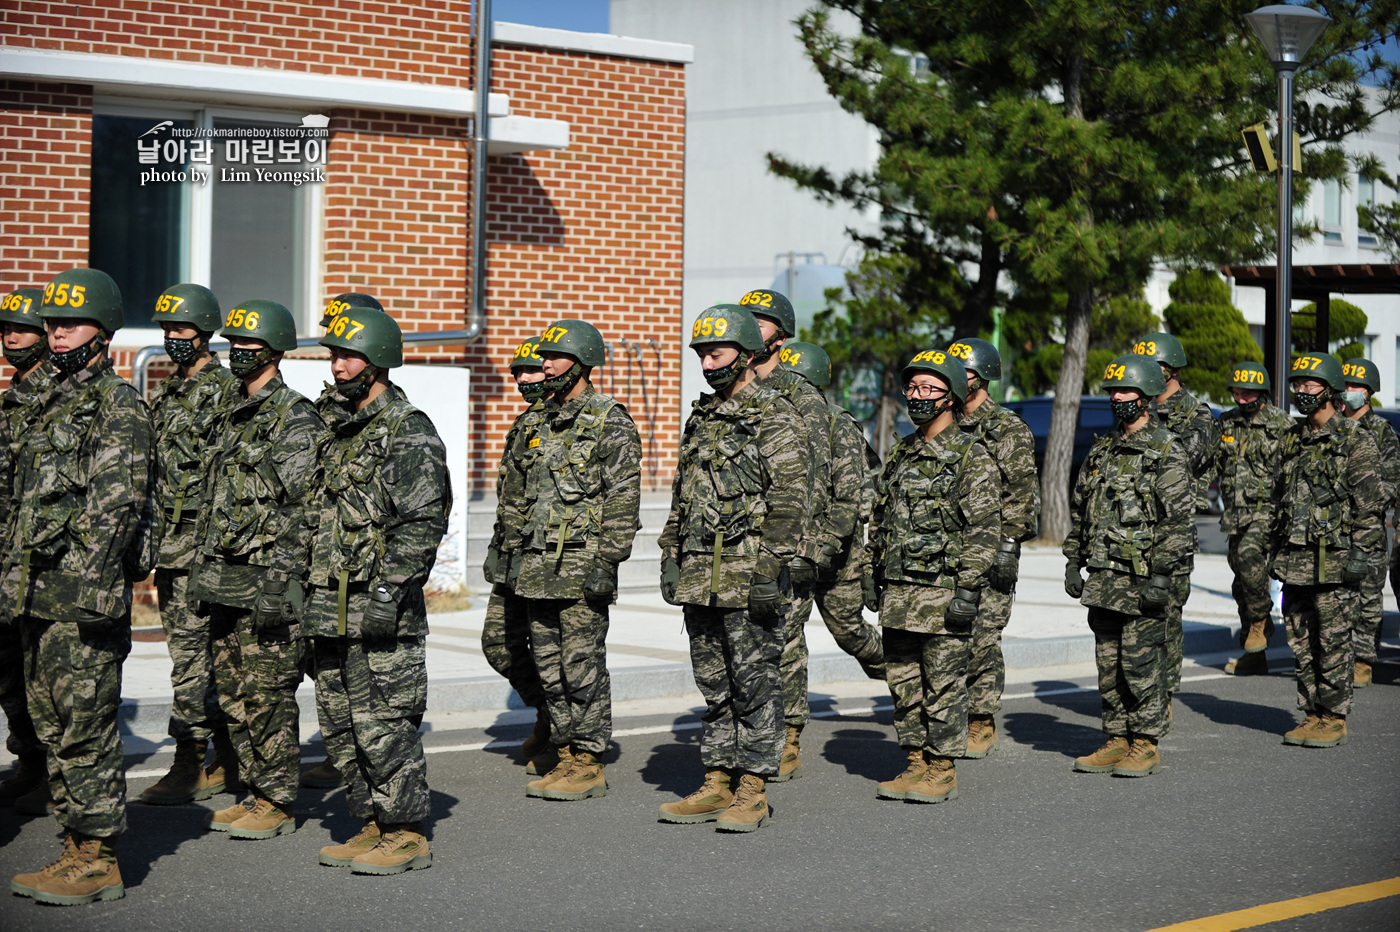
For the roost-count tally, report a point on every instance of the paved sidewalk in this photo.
(649, 653)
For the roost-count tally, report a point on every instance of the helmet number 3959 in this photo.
(709, 326)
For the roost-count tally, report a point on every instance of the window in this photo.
(1365, 197)
(1332, 211)
(185, 212)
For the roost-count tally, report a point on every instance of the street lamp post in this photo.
(1287, 33)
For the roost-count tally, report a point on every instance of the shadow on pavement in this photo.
(674, 765)
(1043, 732)
(865, 752)
(1221, 711)
(153, 832)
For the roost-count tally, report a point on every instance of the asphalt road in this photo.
(1233, 820)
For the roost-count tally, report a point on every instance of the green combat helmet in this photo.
(21, 307)
(1163, 347)
(1133, 371)
(83, 294)
(1361, 371)
(577, 339)
(258, 319)
(1321, 366)
(527, 356)
(342, 302)
(808, 360)
(948, 368)
(726, 323)
(978, 356)
(775, 306)
(189, 304)
(375, 336)
(1250, 376)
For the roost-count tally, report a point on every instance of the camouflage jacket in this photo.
(82, 477)
(739, 499)
(1191, 420)
(1012, 446)
(1247, 462)
(1131, 515)
(816, 428)
(1327, 500)
(937, 511)
(20, 407)
(378, 513)
(523, 442)
(582, 495)
(189, 415)
(855, 470)
(251, 522)
(1389, 445)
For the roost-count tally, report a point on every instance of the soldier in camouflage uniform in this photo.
(505, 635)
(777, 323)
(1363, 380)
(77, 542)
(582, 502)
(27, 350)
(737, 511)
(843, 560)
(330, 406)
(933, 535)
(251, 563)
(1325, 533)
(1251, 444)
(1132, 514)
(1009, 441)
(1191, 420)
(379, 514)
(188, 408)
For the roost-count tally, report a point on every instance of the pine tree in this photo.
(1211, 330)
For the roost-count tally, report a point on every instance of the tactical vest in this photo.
(563, 506)
(1247, 479)
(922, 532)
(182, 441)
(531, 434)
(246, 511)
(1318, 500)
(1122, 502)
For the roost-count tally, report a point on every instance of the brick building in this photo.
(585, 191)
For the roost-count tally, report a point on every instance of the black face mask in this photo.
(182, 352)
(532, 391)
(76, 359)
(561, 385)
(725, 376)
(1306, 403)
(24, 359)
(770, 346)
(1251, 406)
(244, 362)
(356, 388)
(923, 410)
(1128, 411)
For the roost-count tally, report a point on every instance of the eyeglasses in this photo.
(924, 391)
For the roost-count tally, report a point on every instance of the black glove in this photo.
(601, 584)
(1074, 583)
(765, 598)
(492, 564)
(828, 556)
(670, 580)
(803, 573)
(962, 611)
(1155, 594)
(514, 561)
(279, 603)
(870, 591)
(1006, 564)
(1355, 570)
(381, 617)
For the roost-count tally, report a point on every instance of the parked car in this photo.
(1392, 417)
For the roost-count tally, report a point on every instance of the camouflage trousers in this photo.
(256, 675)
(927, 676)
(21, 740)
(370, 698)
(1319, 632)
(505, 640)
(840, 602)
(736, 660)
(568, 639)
(1131, 654)
(793, 667)
(986, 668)
(194, 709)
(1249, 561)
(73, 675)
(1366, 629)
(1176, 637)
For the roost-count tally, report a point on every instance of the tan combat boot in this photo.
(91, 874)
(898, 788)
(1256, 637)
(539, 738)
(24, 884)
(982, 736)
(1361, 675)
(1103, 760)
(545, 760)
(749, 810)
(221, 820)
(938, 784)
(363, 842)
(705, 804)
(402, 847)
(583, 779)
(186, 780)
(265, 820)
(790, 766)
(1143, 758)
(1304, 730)
(324, 776)
(30, 772)
(1331, 731)
(536, 787)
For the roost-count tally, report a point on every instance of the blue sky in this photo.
(579, 15)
